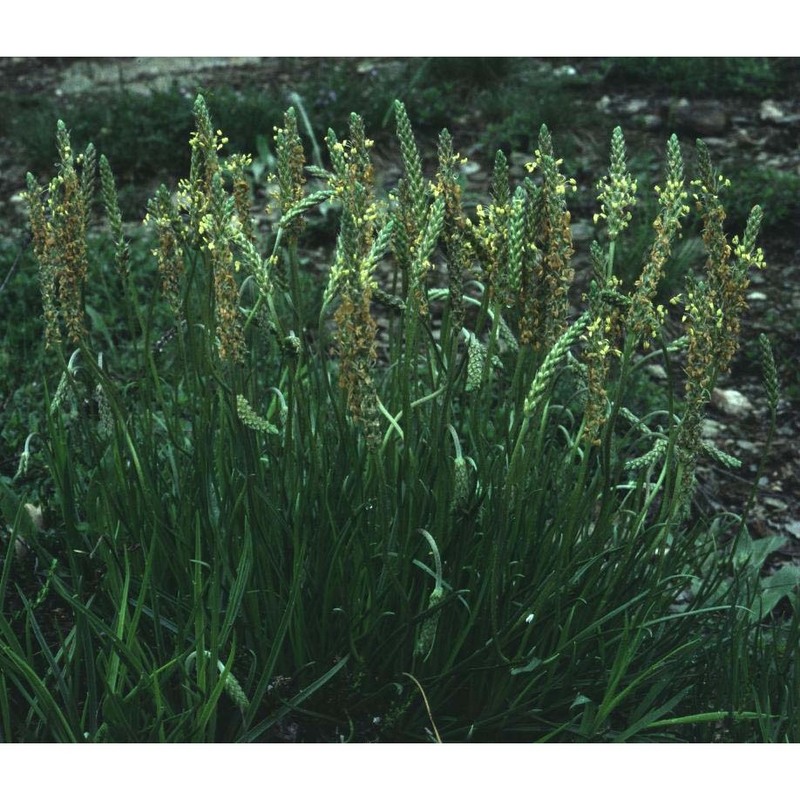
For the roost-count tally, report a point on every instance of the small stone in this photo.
(711, 429)
(567, 71)
(775, 503)
(731, 402)
(652, 122)
(770, 111)
(635, 105)
(35, 513)
(657, 371)
(703, 119)
(604, 103)
(746, 446)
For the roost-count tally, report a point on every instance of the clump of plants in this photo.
(401, 497)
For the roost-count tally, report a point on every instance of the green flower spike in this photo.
(617, 190)
(427, 632)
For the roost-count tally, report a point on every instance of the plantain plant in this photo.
(401, 496)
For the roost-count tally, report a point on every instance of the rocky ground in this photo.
(764, 131)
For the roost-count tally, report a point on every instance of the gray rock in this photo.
(731, 402)
(652, 122)
(700, 118)
(770, 111)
